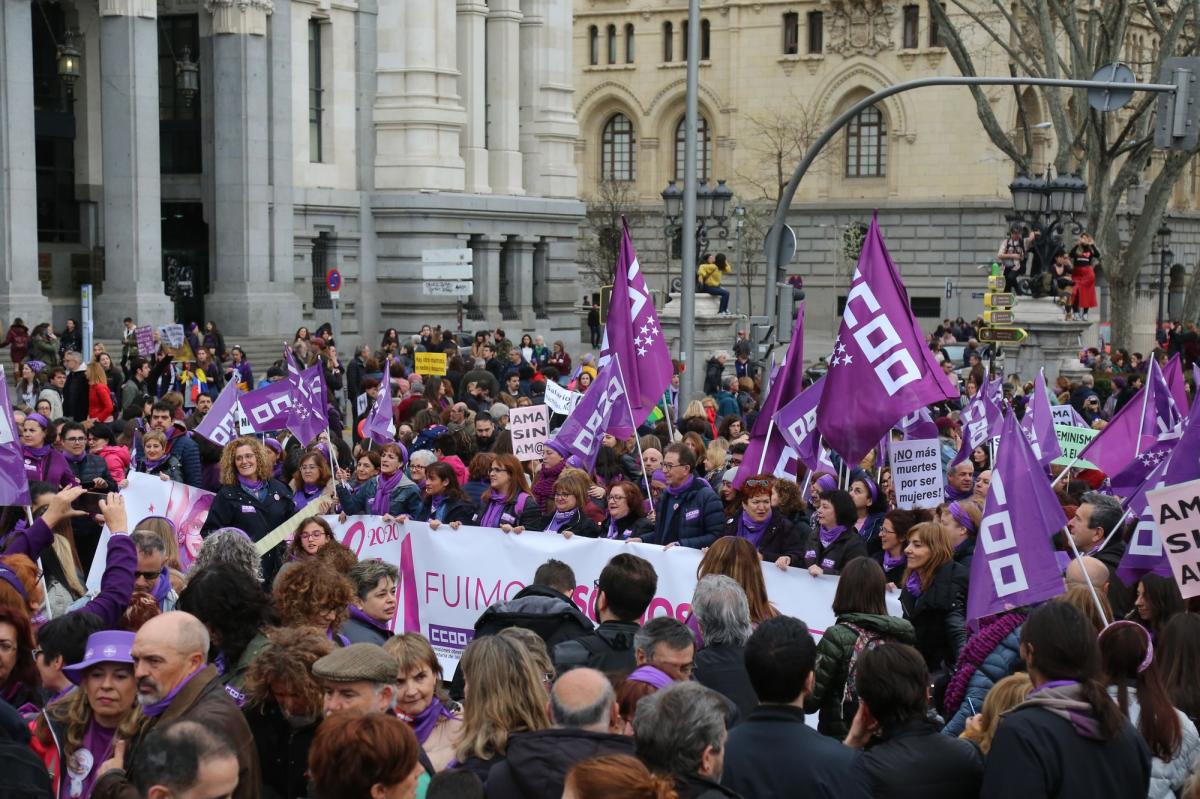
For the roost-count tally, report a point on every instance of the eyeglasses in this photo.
(496, 470)
(147, 576)
(757, 483)
(668, 466)
(74, 440)
(312, 535)
(616, 497)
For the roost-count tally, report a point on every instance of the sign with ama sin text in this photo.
(1177, 516)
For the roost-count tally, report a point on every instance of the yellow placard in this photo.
(430, 363)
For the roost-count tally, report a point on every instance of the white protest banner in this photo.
(449, 577)
(530, 427)
(147, 495)
(1063, 414)
(561, 400)
(1072, 440)
(916, 472)
(360, 404)
(172, 334)
(1177, 518)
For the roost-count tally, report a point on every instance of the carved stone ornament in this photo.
(861, 27)
(245, 17)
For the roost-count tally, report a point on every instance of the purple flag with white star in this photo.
(307, 417)
(980, 423)
(1150, 415)
(881, 370)
(1014, 561)
(604, 406)
(633, 336)
(1038, 423)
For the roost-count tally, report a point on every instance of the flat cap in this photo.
(358, 663)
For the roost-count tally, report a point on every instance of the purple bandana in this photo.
(426, 721)
(651, 675)
(562, 519)
(677, 490)
(962, 518)
(830, 535)
(751, 530)
(80, 458)
(36, 452)
(382, 501)
(150, 464)
(913, 584)
(954, 495)
(496, 502)
(255, 488)
(306, 494)
(890, 563)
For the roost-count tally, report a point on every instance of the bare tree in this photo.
(776, 140)
(600, 233)
(1059, 39)
(1191, 297)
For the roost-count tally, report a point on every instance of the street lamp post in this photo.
(739, 214)
(1164, 262)
(712, 211)
(1047, 205)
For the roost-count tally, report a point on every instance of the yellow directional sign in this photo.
(991, 300)
(995, 283)
(1003, 335)
(998, 317)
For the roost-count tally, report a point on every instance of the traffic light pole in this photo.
(776, 264)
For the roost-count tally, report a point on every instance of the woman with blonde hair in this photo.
(310, 481)
(1004, 696)
(570, 501)
(1081, 597)
(616, 777)
(100, 402)
(421, 700)
(250, 499)
(504, 695)
(934, 596)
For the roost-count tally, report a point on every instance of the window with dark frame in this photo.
(593, 45)
(629, 43)
(703, 149)
(316, 92)
(618, 154)
(791, 33)
(179, 132)
(935, 30)
(320, 264)
(668, 33)
(816, 32)
(705, 41)
(912, 23)
(611, 42)
(866, 145)
(684, 29)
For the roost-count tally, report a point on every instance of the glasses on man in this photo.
(75, 439)
(147, 576)
(669, 466)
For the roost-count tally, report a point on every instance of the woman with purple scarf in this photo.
(389, 494)
(869, 504)
(776, 539)
(554, 460)
(374, 605)
(445, 501)
(420, 700)
(961, 520)
(836, 542)
(507, 505)
(893, 536)
(570, 499)
(934, 597)
(309, 482)
(42, 461)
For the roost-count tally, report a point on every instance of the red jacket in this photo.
(100, 404)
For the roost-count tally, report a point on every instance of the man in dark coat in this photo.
(773, 750)
(689, 512)
(356, 371)
(179, 444)
(75, 392)
(723, 613)
(622, 594)
(679, 732)
(582, 709)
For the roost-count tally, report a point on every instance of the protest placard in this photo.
(430, 363)
(172, 335)
(530, 427)
(1063, 414)
(916, 473)
(1177, 518)
(1072, 440)
(559, 399)
(145, 340)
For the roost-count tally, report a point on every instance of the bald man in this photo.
(1096, 572)
(583, 709)
(174, 681)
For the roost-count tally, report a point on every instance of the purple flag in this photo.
(289, 358)
(797, 423)
(379, 427)
(220, 424)
(1038, 423)
(880, 370)
(603, 405)
(1173, 372)
(1127, 482)
(774, 455)
(1145, 553)
(981, 423)
(307, 417)
(918, 426)
(1014, 562)
(995, 390)
(267, 408)
(633, 336)
(14, 482)
(1134, 429)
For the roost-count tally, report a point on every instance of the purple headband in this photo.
(37, 417)
(274, 445)
(826, 482)
(558, 447)
(9, 576)
(654, 676)
(1149, 658)
(872, 489)
(961, 517)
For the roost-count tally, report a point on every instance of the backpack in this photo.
(866, 640)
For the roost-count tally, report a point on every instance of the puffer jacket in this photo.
(692, 518)
(1167, 778)
(1000, 662)
(833, 661)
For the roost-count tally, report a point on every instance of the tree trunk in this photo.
(1191, 300)
(1122, 296)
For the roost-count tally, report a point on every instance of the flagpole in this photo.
(1142, 419)
(636, 437)
(1054, 482)
(1091, 588)
(766, 442)
(667, 413)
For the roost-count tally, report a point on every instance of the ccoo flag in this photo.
(880, 370)
(1173, 373)
(797, 423)
(768, 451)
(1014, 560)
(1038, 423)
(634, 337)
(604, 406)
(14, 482)
(307, 417)
(1134, 429)
(220, 424)
(981, 423)
(379, 427)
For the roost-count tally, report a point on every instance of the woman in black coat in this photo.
(934, 596)
(444, 501)
(626, 513)
(836, 542)
(570, 499)
(250, 499)
(776, 539)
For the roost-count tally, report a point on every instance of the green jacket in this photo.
(833, 662)
(234, 679)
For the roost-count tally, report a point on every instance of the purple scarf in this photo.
(562, 519)
(150, 464)
(829, 536)
(255, 488)
(913, 584)
(306, 494)
(436, 504)
(80, 458)
(162, 587)
(382, 502)
(157, 709)
(496, 503)
(613, 530)
(36, 453)
(954, 495)
(980, 645)
(543, 486)
(753, 531)
(426, 721)
(890, 563)
(374, 624)
(677, 490)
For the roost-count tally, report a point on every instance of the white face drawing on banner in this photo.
(996, 535)
(887, 352)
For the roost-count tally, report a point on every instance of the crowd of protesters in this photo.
(278, 674)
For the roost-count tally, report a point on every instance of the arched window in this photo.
(629, 43)
(612, 44)
(618, 150)
(704, 40)
(668, 42)
(866, 145)
(703, 149)
(593, 45)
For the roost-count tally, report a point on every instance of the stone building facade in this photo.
(324, 133)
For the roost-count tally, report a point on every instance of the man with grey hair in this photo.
(666, 642)
(583, 709)
(723, 613)
(152, 575)
(679, 732)
(75, 392)
(1096, 520)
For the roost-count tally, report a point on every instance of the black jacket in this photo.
(629, 527)
(454, 510)
(697, 787)
(24, 772)
(915, 761)
(233, 506)
(580, 525)
(781, 538)
(536, 764)
(773, 751)
(93, 466)
(608, 649)
(939, 616)
(722, 667)
(1037, 753)
(75, 396)
(832, 559)
(282, 751)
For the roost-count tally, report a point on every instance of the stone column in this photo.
(133, 284)
(549, 130)
(418, 117)
(504, 96)
(20, 290)
(521, 292)
(472, 68)
(485, 256)
(248, 296)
